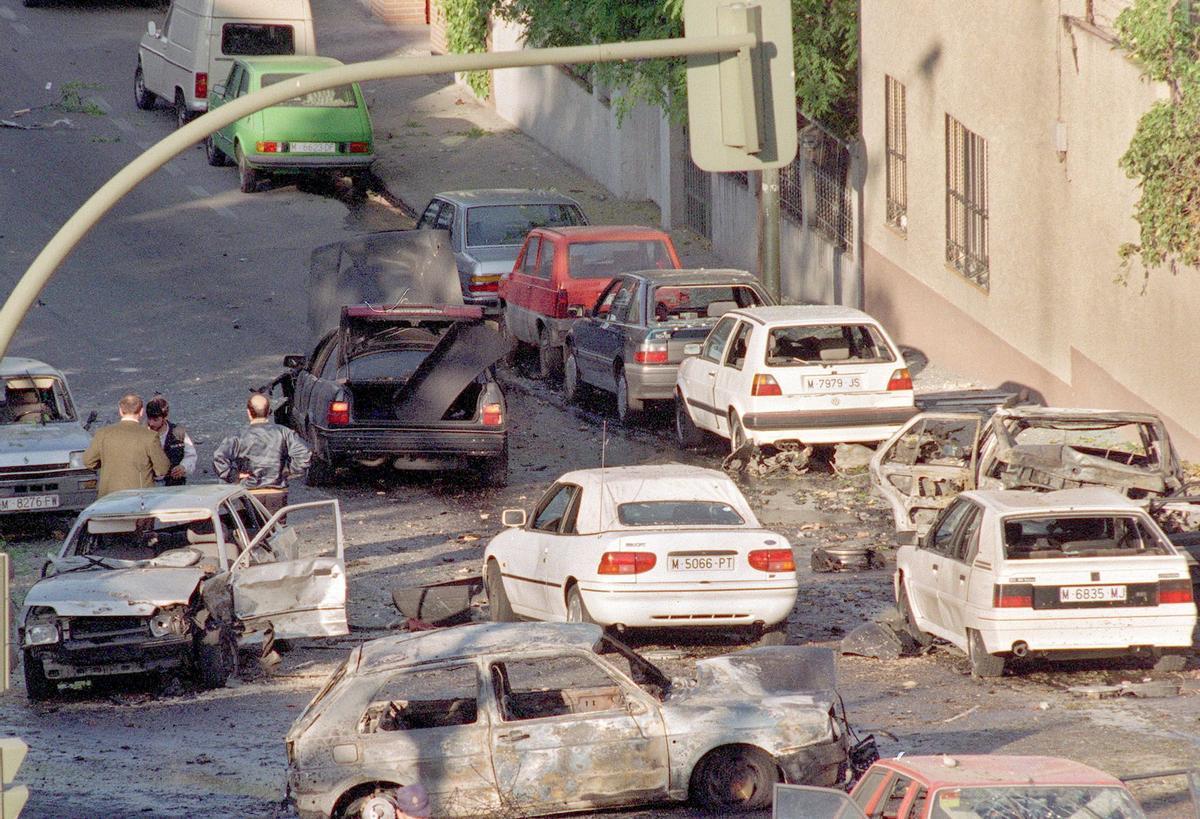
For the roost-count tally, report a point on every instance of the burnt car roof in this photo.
(471, 640)
(1071, 414)
(696, 275)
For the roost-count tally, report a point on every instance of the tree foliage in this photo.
(1164, 154)
(466, 33)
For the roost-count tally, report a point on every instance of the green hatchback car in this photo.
(325, 132)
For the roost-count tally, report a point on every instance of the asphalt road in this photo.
(196, 290)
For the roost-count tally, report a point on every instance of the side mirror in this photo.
(575, 311)
(294, 362)
(91, 419)
(513, 518)
(691, 348)
(152, 29)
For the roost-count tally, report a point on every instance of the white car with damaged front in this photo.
(1071, 574)
(666, 545)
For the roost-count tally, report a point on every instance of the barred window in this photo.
(966, 202)
(832, 214)
(897, 153)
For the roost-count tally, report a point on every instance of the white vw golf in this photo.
(642, 546)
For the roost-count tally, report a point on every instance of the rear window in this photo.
(606, 260)
(689, 302)
(824, 343)
(680, 513)
(340, 97)
(1036, 800)
(257, 39)
(493, 225)
(1067, 536)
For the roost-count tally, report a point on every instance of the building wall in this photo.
(1057, 316)
(398, 11)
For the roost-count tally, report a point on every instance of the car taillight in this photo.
(626, 562)
(492, 416)
(1012, 596)
(772, 560)
(560, 303)
(651, 354)
(339, 414)
(360, 147)
(201, 85)
(765, 385)
(900, 380)
(1175, 591)
(483, 284)
(268, 147)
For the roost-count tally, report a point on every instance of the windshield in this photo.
(605, 260)
(340, 97)
(35, 400)
(1067, 536)
(1038, 802)
(142, 538)
(678, 513)
(496, 225)
(676, 303)
(827, 343)
(1129, 443)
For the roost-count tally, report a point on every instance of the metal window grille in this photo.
(697, 191)
(791, 184)
(832, 208)
(966, 203)
(740, 177)
(896, 149)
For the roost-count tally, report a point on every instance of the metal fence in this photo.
(697, 191)
(833, 207)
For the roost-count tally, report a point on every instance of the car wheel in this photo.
(687, 433)
(182, 115)
(577, 611)
(499, 608)
(215, 659)
(247, 176)
(550, 358)
(360, 183)
(982, 664)
(734, 778)
(627, 408)
(737, 435)
(510, 343)
(921, 638)
(142, 97)
(37, 686)
(216, 157)
(572, 387)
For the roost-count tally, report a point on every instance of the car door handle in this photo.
(513, 736)
(933, 566)
(711, 375)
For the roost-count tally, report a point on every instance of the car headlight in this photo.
(167, 621)
(41, 633)
(76, 460)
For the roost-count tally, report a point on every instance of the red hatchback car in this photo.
(560, 273)
(967, 787)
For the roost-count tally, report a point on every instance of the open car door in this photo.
(281, 580)
(924, 466)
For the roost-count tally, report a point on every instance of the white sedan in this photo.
(1068, 574)
(642, 546)
(794, 375)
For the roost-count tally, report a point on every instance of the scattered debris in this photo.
(1095, 692)
(759, 463)
(845, 557)
(439, 604)
(849, 457)
(968, 712)
(37, 126)
(1150, 689)
(874, 640)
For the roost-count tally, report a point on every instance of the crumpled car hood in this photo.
(39, 444)
(115, 592)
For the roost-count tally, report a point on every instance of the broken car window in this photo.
(937, 442)
(561, 685)
(674, 303)
(1080, 536)
(35, 400)
(142, 538)
(679, 513)
(425, 698)
(1048, 801)
(824, 343)
(646, 674)
(897, 790)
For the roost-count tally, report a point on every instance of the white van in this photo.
(199, 39)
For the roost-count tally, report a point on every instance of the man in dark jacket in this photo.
(127, 454)
(263, 456)
(175, 441)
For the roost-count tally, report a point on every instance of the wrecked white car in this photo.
(936, 455)
(167, 578)
(520, 719)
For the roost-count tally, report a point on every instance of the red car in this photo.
(967, 787)
(559, 274)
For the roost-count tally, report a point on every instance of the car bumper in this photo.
(653, 383)
(658, 605)
(826, 426)
(371, 442)
(75, 660)
(1102, 632)
(305, 162)
(73, 491)
(820, 765)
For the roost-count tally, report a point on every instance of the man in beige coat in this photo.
(127, 454)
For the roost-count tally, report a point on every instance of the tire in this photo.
(921, 638)
(38, 687)
(983, 665)
(143, 97)
(182, 115)
(499, 609)
(577, 611)
(733, 779)
(628, 408)
(737, 435)
(687, 434)
(572, 387)
(365, 801)
(247, 176)
(511, 344)
(550, 358)
(360, 184)
(214, 659)
(216, 157)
